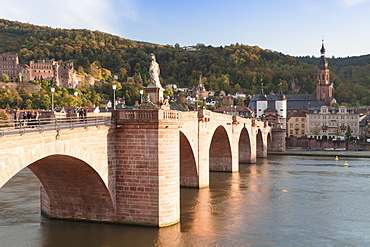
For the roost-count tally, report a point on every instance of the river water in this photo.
(280, 201)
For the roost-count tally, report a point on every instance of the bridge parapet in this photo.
(146, 116)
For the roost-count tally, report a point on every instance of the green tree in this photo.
(337, 131)
(4, 119)
(316, 131)
(348, 133)
(4, 78)
(168, 92)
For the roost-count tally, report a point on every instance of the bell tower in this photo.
(324, 89)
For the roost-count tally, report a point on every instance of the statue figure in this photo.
(165, 105)
(154, 72)
(147, 103)
(147, 99)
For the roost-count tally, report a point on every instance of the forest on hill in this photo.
(233, 68)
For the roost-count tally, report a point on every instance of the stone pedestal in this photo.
(155, 93)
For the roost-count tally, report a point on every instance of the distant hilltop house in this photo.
(61, 73)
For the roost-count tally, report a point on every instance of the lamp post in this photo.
(196, 101)
(75, 94)
(114, 87)
(52, 98)
(141, 95)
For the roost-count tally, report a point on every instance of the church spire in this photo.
(322, 49)
(323, 63)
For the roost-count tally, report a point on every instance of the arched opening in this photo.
(188, 169)
(220, 158)
(245, 151)
(260, 146)
(71, 189)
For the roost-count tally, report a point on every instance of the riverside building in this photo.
(328, 122)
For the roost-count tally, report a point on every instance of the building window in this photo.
(291, 125)
(302, 125)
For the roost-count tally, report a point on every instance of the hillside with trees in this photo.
(233, 68)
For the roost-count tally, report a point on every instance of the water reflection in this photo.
(280, 201)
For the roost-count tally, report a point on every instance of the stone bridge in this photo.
(131, 172)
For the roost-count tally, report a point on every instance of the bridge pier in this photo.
(148, 168)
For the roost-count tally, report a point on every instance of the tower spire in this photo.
(322, 48)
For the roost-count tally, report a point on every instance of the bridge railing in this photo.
(146, 115)
(22, 126)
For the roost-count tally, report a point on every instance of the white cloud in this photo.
(350, 3)
(100, 15)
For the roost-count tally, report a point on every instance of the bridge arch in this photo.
(220, 155)
(72, 189)
(261, 152)
(245, 149)
(20, 157)
(189, 176)
(76, 181)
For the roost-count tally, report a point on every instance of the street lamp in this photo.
(196, 101)
(141, 95)
(76, 94)
(52, 98)
(114, 87)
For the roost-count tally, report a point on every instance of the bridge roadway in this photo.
(130, 171)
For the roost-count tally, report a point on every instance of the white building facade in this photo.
(327, 122)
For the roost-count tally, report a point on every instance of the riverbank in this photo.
(302, 152)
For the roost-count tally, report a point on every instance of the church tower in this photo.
(324, 89)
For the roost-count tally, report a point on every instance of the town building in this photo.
(60, 73)
(9, 65)
(329, 122)
(296, 124)
(275, 111)
(236, 110)
(364, 126)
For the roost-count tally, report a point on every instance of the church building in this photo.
(264, 106)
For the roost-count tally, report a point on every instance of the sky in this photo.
(292, 27)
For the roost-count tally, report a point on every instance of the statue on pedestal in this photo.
(154, 72)
(154, 89)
